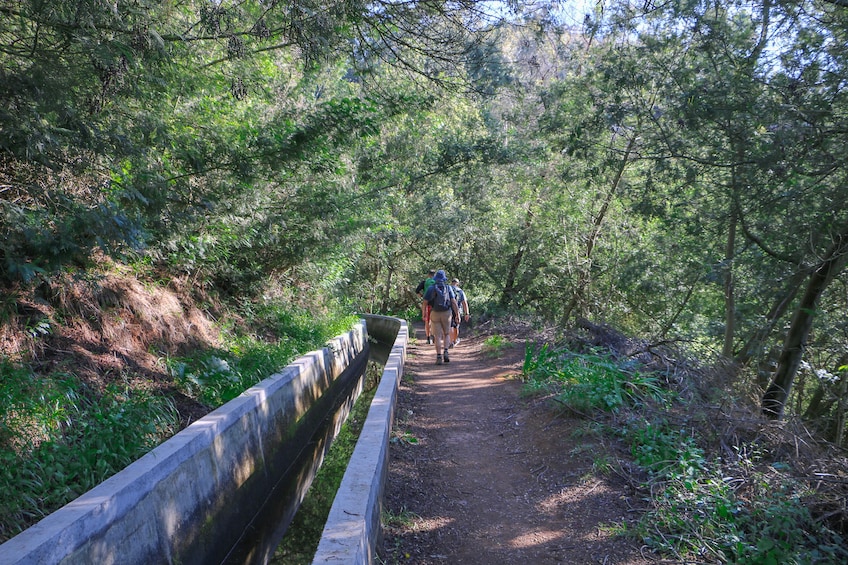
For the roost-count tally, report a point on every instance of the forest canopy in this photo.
(674, 169)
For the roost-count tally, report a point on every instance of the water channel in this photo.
(273, 508)
(225, 489)
(274, 514)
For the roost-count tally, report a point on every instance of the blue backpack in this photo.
(460, 297)
(441, 297)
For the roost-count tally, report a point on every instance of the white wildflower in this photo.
(825, 376)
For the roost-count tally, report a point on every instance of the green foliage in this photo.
(138, 130)
(664, 450)
(494, 346)
(44, 240)
(236, 142)
(409, 313)
(588, 381)
(405, 519)
(741, 511)
(709, 514)
(59, 439)
(540, 362)
(405, 436)
(216, 376)
(228, 141)
(700, 509)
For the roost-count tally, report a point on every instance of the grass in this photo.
(404, 520)
(705, 512)
(495, 345)
(59, 437)
(216, 376)
(403, 436)
(701, 506)
(585, 382)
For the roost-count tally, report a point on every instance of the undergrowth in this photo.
(59, 438)
(589, 381)
(494, 346)
(216, 376)
(702, 505)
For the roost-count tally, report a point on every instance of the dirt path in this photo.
(480, 475)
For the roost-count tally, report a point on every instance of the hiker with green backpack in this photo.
(441, 298)
(421, 290)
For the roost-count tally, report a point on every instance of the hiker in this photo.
(464, 312)
(421, 290)
(444, 307)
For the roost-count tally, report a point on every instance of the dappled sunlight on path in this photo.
(479, 474)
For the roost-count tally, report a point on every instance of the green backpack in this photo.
(428, 283)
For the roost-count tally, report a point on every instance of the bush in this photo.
(216, 376)
(588, 381)
(700, 509)
(63, 441)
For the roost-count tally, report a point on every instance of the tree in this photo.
(151, 122)
(833, 262)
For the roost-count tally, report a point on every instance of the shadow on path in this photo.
(480, 475)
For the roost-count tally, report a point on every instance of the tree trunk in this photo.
(586, 272)
(387, 293)
(774, 399)
(839, 431)
(673, 320)
(818, 405)
(512, 273)
(753, 347)
(767, 367)
(729, 294)
(374, 289)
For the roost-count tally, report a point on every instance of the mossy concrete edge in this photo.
(154, 510)
(353, 526)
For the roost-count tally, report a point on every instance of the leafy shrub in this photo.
(59, 438)
(702, 510)
(664, 450)
(216, 376)
(588, 381)
(708, 511)
(493, 346)
(716, 518)
(63, 441)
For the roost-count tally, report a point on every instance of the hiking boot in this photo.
(447, 359)
(429, 342)
(439, 360)
(455, 343)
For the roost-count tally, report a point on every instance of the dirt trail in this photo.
(480, 475)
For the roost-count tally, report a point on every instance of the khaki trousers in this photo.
(440, 322)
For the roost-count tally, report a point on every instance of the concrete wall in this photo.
(182, 502)
(353, 527)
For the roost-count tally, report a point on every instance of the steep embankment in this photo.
(110, 328)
